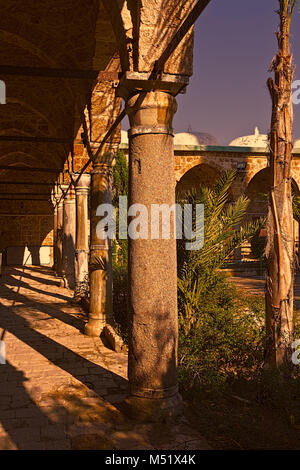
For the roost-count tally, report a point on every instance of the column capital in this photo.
(103, 164)
(151, 112)
(55, 196)
(70, 196)
(134, 82)
(83, 183)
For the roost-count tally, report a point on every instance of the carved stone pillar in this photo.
(82, 237)
(69, 234)
(152, 367)
(101, 251)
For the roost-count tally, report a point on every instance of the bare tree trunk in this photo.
(280, 239)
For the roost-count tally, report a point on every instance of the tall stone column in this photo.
(55, 235)
(69, 234)
(82, 237)
(59, 236)
(152, 367)
(57, 227)
(101, 250)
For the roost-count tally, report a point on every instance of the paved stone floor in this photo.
(60, 389)
(255, 285)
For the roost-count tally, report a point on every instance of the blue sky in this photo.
(234, 46)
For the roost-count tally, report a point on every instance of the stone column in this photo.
(55, 235)
(69, 234)
(101, 251)
(59, 236)
(152, 367)
(82, 237)
(57, 226)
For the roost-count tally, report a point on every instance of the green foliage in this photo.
(296, 207)
(120, 299)
(218, 334)
(226, 340)
(120, 177)
(258, 244)
(224, 232)
(120, 188)
(120, 250)
(222, 219)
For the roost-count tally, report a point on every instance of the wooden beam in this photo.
(26, 183)
(24, 194)
(23, 138)
(46, 72)
(26, 168)
(22, 199)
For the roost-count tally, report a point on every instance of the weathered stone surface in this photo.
(58, 387)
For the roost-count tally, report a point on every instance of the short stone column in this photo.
(100, 250)
(152, 367)
(69, 234)
(82, 236)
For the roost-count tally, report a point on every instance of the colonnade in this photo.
(152, 315)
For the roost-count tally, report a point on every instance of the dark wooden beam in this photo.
(46, 72)
(24, 194)
(26, 168)
(26, 183)
(24, 138)
(22, 199)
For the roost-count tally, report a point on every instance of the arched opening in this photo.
(200, 175)
(257, 192)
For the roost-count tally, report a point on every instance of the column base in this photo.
(152, 410)
(94, 327)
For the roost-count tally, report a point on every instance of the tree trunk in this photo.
(280, 240)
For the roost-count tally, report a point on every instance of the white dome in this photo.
(254, 140)
(297, 144)
(195, 139)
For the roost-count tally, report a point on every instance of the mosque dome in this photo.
(195, 139)
(254, 140)
(297, 144)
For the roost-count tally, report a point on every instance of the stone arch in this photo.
(257, 190)
(38, 153)
(198, 175)
(120, 15)
(184, 165)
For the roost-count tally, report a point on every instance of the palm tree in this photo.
(280, 243)
(224, 233)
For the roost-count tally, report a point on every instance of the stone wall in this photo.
(228, 158)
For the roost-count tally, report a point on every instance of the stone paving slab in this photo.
(59, 389)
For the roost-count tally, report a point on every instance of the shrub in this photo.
(226, 340)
